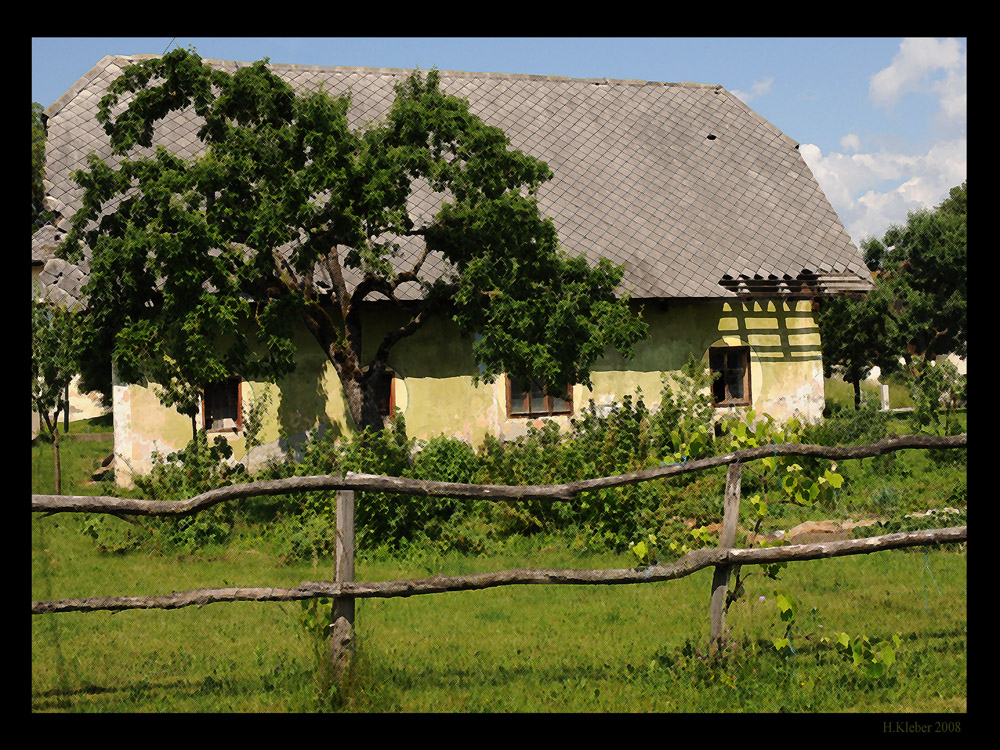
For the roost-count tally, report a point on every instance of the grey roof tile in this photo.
(635, 175)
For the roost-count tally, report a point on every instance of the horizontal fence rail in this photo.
(692, 562)
(723, 558)
(404, 486)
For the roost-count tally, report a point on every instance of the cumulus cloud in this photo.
(757, 89)
(872, 191)
(905, 183)
(924, 66)
(850, 142)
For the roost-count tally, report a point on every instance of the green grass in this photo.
(510, 649)
(78, 459)
(840, 392)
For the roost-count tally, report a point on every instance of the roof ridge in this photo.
(455, 73)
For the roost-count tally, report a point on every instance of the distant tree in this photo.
(858, 334)
(38, 213)
(189, 250)
(923, 266)
(55, 355)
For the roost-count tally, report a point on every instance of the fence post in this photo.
(342, 627)
(727, 538)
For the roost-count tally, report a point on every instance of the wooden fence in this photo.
(344, 590)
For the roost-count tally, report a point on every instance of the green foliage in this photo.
(39, 216)
(683, 426)
(923, 267)
(56, 349)
(938, 391)
(858, 335)
(918, 308)
(868, 423)
(798, 481)
(55, 357)
(874, 660)
(706, 666)
(197, 468)
(204, 265)
(253, 420)
(180, 475)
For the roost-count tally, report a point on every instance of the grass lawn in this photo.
(840, 392)
(510, 649)
(612, 649)
(78, 458)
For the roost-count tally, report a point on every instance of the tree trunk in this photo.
(857, 394)
(57, 474)
(360, 401)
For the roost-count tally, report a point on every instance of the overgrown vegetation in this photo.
(820, 640)
(623, 437)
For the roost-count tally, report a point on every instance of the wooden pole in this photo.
(727, 538)
(342, 627)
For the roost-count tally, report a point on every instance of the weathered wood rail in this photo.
(345, 590)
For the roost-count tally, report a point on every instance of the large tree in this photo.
(185, 251)
(923, 266)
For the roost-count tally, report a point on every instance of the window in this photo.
(222, 406)
(385, 393)
(732, 364)
(527, 398)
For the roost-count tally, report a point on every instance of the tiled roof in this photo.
(44, 243)
(681, 183)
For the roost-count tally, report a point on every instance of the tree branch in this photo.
(394, 336)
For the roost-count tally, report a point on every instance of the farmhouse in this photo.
(727, 240)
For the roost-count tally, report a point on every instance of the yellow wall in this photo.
(434, 370)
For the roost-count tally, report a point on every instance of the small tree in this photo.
(938, 390)
(858, 334)
(55, 355)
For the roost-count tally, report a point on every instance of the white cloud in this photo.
(850, 142)
(872, 191)
(916, 69)
(915, 182)
(757, 89)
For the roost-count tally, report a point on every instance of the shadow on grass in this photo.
(208, 694)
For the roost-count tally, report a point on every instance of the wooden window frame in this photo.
(549, 410)
(239, 408)
(747, 392)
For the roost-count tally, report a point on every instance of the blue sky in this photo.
(881, 121)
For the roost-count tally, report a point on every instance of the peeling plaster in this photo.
(434, 390)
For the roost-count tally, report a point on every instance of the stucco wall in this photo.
(434, 370)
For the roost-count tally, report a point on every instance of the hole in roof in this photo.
(711, 136)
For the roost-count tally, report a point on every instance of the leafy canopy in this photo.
(187, 249)
(38, 213)
(923, 266)
(55, 354)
